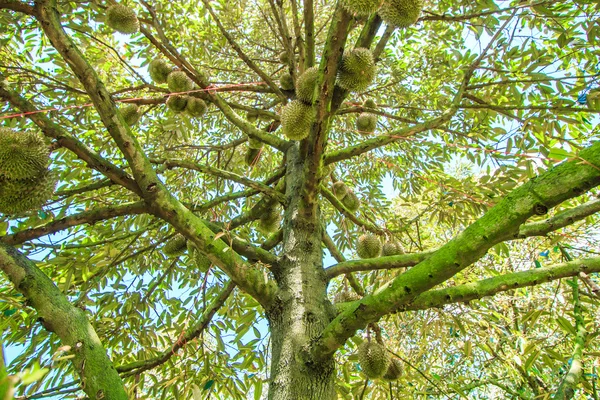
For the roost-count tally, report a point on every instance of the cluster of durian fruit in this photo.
(346, 196)
(25, 182)
(397, 13)
(369, 245)
(178, 245)
(375, 362)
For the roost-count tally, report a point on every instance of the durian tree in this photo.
(299, 200)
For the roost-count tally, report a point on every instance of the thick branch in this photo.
(17, 6)
(58, 315)
(560, 220)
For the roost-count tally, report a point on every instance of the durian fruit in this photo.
(297, 119)
(361, 7)
(122, 19)
(175, 246)
(252, 116)
(251, 156)
(286, 82)
(357, 70)
(269, 221)
(23, 155)
(283, 57)
(199, 259)
(177, 103)
(340, 190)
(159, 70)
(373, 359)
(366, 123)
(401, 13)
(305, 87)
(391, 248)
(351, 202)
(131, 114)
(178, 82)
(394, 370)
(20, 195)
(368, 246)
(370, 103)
(195, 107)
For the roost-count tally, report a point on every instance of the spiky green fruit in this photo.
(401, 13)
(252, 156)
(394, 370)
(178, 82)
(306, 85)
(366, 123)
(122, 19)
(370, 103)
(286, 82)
(351, 202)
(252, 116)
(200, 260)
(269, 221)
(195, 107)
(131, 114)
(361, 7)
(283, 57)
(23, 155)
(357, 70)
(368, 246)
(176, 246)
(391, 248)
(297, 119)
(159, 70)
(20, 195)
(177, 103)
(373, 359)
(340, 190)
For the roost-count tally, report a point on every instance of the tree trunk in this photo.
(301, 310)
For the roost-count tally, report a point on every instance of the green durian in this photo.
(195, 256)
(391, 248)
(179, 82)
(131, 114)
(20, 195)
(252, 156)
(340, 190)
(297, 119)
(368, 246)
(373, 358)
(361, 7)
(159, 70)
(283, 57)
(357, 70)
(401, 13)
(370, 103)
(270, 220)
(366, 123)
(176, 246)
(177, 103)
(286, 82)
(394, 370)
(122, 19)
(306, 85)
(351, 202)
(195, 107)
(23, 155)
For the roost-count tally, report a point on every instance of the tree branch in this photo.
(17, 6)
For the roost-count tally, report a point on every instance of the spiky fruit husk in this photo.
(340, 190)
(178, 82)
(305, 87)
(401, 13)
(175, 246)
(199, 259)
(283, 57)
(254, 143)
(357, 70)
(366, 123)
(122, 19)
(177, 103)
(391, 248)
(361, 7)
(269, 221)
(394, 370)
(252, 116)
(252, 156)
(20, 195)
(351, 202)
(195, 107)
(131, 114)
(286, 82)
(370, 103)
(368, 246)
(373, 359)
(297, 119)
(159, 70)
(23, 155)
